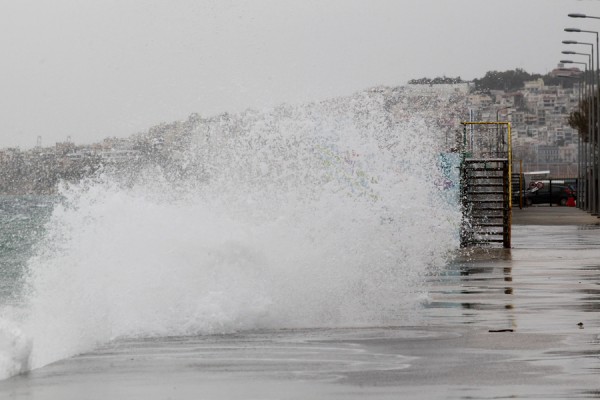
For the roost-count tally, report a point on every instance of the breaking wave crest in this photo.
(318, 215)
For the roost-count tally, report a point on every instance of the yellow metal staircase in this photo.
(486, 189)
(485, 202)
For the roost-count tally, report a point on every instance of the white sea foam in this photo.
(15, 347)
(320, 215)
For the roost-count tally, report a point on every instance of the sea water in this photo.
(328, 214)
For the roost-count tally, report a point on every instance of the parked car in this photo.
(543, 195)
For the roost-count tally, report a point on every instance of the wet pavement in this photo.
(552, 215)
(521, 323)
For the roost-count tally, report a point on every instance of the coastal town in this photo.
(538, 113)
(541, 136)
(39, 170)
(300, 200)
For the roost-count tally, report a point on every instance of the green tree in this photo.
(436, 81)
(507, 80)
(579, 119)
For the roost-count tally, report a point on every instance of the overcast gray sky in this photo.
(92, 69)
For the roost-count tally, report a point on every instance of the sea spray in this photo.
(320, 215)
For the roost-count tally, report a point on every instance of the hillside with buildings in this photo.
(538, 111)
(539, 114)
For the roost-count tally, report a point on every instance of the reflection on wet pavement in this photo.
(526, 282)
(550, 287)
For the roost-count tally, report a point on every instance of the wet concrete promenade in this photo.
(546, 215)
(520, 323)
(540, 303)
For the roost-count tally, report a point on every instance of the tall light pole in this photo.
(594, 139)
(583, 184)
(591, 192)
(586, 43)
(595, 194)
(580, 95)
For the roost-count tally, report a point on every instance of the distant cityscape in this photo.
(542, 137)
(39, 170)
(538, 113)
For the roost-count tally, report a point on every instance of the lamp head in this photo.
(568, 52)
(577, 15)
(566, 62)
(572, 30)
(570, 42)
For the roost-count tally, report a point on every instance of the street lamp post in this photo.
(591, 191)
(595, 101)
(594, 139)
(580, 95)
(583, 184)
